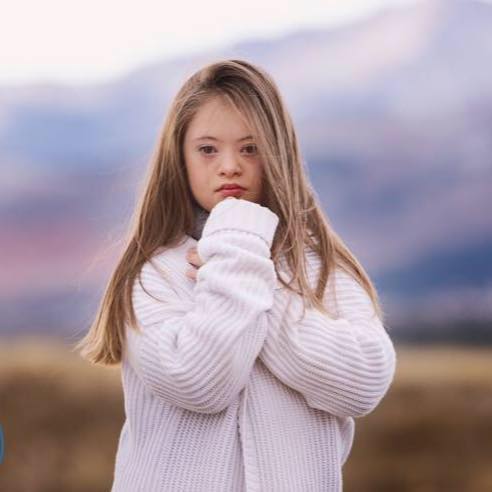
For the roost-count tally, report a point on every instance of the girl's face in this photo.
(219, 149)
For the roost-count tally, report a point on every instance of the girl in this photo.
(249, 336)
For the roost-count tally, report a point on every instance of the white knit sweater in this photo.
(225, 388)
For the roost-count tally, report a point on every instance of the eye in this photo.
(251, 147)
(206, 147)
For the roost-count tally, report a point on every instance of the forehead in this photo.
(217, 119)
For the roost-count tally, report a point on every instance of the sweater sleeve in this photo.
(198, 353)
(343, 366)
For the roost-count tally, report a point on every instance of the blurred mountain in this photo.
(393, 113)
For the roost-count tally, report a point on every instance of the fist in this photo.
(195, 261)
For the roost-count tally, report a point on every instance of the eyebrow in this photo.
(207, 137)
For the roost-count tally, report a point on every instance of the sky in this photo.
(98, 40)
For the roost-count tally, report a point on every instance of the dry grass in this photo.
(432, 432)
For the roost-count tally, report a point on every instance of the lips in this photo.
(232, 186)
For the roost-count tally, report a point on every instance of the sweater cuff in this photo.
(243, 215)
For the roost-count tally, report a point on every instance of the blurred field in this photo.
(432, 432)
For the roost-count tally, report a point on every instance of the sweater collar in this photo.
(201, 216)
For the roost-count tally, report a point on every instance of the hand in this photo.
(193, 257)
(195, 260)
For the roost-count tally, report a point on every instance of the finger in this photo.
(193, 261)
(190, 253)
(194, 258)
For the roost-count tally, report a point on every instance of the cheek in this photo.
(194, 169)
(259, 172)
(198, 178)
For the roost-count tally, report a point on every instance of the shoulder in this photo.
(161, 287)
(165, 271)
(351, 297)
(344, 292)
(165, 255)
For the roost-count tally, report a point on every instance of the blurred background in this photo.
(392, 102)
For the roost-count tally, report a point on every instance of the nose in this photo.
(229, 165)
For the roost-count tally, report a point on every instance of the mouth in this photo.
(231, 190)
(231, 187)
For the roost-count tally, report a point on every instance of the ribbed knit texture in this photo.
(225, 387)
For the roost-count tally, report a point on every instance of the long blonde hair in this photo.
(165, 212)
